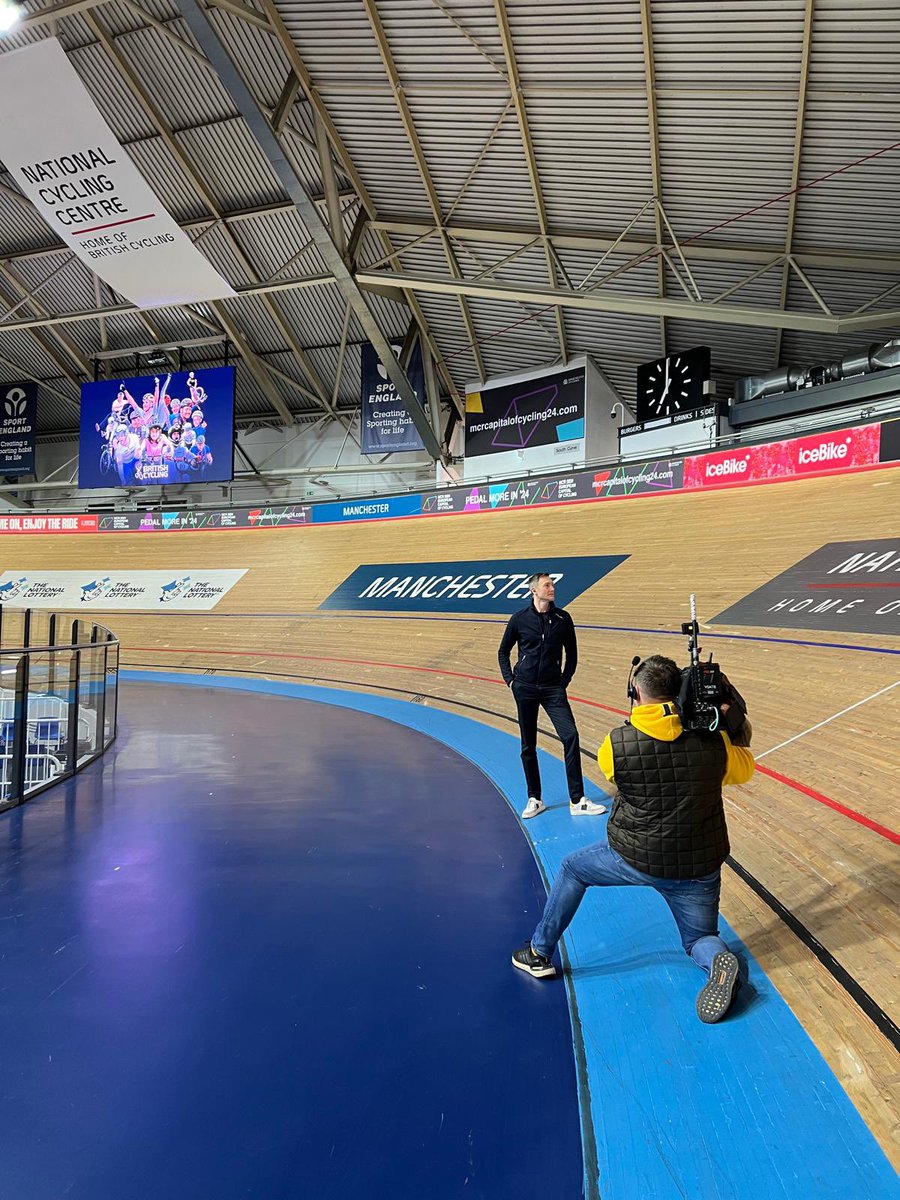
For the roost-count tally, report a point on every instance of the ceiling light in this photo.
(10, 15)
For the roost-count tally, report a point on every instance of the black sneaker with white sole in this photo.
(716, 996)
(535, 964)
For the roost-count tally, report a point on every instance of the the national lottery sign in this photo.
(175, 591)
(478, 586)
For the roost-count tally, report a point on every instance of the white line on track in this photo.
(829, 719)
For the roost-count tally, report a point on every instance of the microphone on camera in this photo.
(632, 690)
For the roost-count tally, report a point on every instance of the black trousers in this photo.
(530, 699)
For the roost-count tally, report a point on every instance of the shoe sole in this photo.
(535, 973)
(715, 998)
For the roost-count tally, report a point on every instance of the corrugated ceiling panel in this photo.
(431, 49)
(68, 290)
(855, 207)
(454, 130)
(20, 226)
(111, 93)
(185, 91)
(164, 175)
(258, 54)
(855, 46)
(287, 363)
(334, 39)
(570, 44)
(751, 44)
(736, 349)
(721, 159)
(593, 158)
(231, 165)
(276, 242)
(215, 244)
(252, 318)
(119, 18)
(377, 143)
(813, 349)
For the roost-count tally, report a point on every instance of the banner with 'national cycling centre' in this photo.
(860, 447)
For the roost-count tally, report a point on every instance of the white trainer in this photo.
(533, 807)
(590, 807)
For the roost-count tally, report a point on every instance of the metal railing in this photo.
(58, 699)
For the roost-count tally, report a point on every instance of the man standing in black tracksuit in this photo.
(538, 679)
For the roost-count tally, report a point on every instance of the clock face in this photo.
(672, 385)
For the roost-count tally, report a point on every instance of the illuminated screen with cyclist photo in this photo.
(154, 430)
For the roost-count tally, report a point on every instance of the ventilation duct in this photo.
(793, 379)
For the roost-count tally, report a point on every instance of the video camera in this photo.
(705, 688)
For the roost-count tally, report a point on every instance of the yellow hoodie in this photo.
(662, 722)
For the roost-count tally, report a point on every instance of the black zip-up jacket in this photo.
(542, 638)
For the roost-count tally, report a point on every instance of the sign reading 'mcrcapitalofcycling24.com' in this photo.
(479, 586)
(190, 591)
(849, 586)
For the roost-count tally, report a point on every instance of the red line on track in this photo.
(853, 815)
(846, 812)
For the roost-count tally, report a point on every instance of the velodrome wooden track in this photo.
(837, 876)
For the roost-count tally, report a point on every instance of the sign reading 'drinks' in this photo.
(63, 155)
(853, 587)
(481, 586)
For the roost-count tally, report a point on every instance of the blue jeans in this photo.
(694, 903)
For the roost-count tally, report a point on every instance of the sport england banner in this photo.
(192, 591)
(386, 425)
(153, 430)
(849, 587)
(485, 586)
(66, 160)
(543, 411)
(18, 418)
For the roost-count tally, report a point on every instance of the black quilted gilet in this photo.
(668, 819)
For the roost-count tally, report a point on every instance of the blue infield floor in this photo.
(262, 950)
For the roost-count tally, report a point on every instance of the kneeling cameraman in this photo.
(667, 831)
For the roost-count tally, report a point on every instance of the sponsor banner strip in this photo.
(144, 590)
(859, 448)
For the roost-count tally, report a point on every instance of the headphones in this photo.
(632, 690)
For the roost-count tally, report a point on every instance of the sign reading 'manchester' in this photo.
(848, 586)
(481, 586)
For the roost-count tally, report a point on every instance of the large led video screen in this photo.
(154, 430)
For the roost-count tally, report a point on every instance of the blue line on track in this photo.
(733, 637)
(679, 1110)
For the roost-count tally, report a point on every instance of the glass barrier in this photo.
(110, 714)
(91, 685)
(58, 699)
(47, 747)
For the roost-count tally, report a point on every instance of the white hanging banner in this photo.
(171, 591)
(63, 155)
